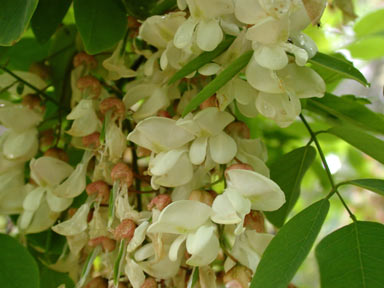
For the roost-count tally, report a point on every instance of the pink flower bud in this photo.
(91, 83)
(254, 220)
(107, 243)
(101, 189)
(115, 104)
(97, 282)
(125, 230)
(91, 140)
(163, 113)
(83, 58)
(210, 102)
(121, 172)
(160, 202)
(239, 129)
(149, 283)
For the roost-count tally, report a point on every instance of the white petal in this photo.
(18, 117)
(212, 121)
(21, 145)
(176, 217)
(262, 79)
(271, 57)
(222, 148)
(144, 252)
(208, 35)
(33, 79)
(43, 219)
(75, 225)
(150, 133)
(134, 273)
(223, 211)
(263, 193)
(203, 245)
(184, 33)
(249, 11)
(85, 119)
(74, 185)
(57, 204)
(116, 142)
(269, 31)
(33, 199)
(175, 247)
(49, 171)
(241, 204)
(209, 69)
(198, 150)
(158, 100)
(138, 237)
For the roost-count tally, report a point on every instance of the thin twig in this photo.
(326, 167)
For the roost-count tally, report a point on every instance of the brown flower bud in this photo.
(41, 69)
(242, 166)
(164, 113)
(91, 140)
(57, 153)
(254, 220)
(97, 282)
(108, 244)
(210, 102)
(160, 202)
(149, 283)
(115, 104)
(91, 83)
(202, 196)
(47, 138)
(238, 277)
(101, 189)
(143, 152)
(239, 129)
(83, 58)
(121, 172)
(33, 102)
(71, 212)
(125, 230)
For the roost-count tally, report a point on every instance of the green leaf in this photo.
(287, 172)
(289, 247)
(18, 269)
(375, 185)
(14, 18)
(101, 23)
(335, 64)
(367, 48)
(223, 78)
(367, 143)
(201, 60)
(348, 110)
(163, 6)
(52, 279)
(47, 18)
(139, 8)
(370, 24)
(352, 257)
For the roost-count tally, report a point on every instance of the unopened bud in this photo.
(40, 69)
(210, 102)
(107, 243)
(125, 230)
(101, 189)
(71, 212)
(238, 277)
(202, 196)
(33, 102)
(160, 202)
(239, 129)
(91, 140)
(143, 152)
(47, 138)
(115, 105)
(120, 285)
(254, 220)
(57, 153)
(242, 166)
(90, 83)
(149, 283)
(83, 58)
(164, 113)
(121, 172)
(97, 282)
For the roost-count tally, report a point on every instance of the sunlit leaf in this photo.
(375, 185)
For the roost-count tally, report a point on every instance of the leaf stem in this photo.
(326, 167)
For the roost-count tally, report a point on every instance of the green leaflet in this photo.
(289, 247)
(363, 141)
(349, 110)
(334, 64)
(223, 78)
(201, 60)
(352, 257)
(375, 185)
(287, 172)
(14, 19)
(101, 23)
(17, 266)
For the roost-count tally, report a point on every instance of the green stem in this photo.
(326, 167)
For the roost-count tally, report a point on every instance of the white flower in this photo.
(245, 190)
(207, 125)
(12, 191)
(205, 19)
(76, 224)
(18, 117)
(198, 232)
(6, 80)
(85, 119)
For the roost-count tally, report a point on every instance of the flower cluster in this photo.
(156, 195)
